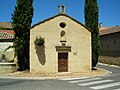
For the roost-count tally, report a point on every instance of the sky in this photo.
(109, 10)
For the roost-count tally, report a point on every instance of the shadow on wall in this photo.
(40, 50)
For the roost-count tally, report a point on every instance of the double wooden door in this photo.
(62, 62)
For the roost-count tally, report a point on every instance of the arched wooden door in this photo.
(62, 62)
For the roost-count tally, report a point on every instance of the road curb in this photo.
(109, 65)
(7, 76)
(44, 78)
(106, 74)
(27, 78)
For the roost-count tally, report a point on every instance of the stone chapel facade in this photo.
(67, 45)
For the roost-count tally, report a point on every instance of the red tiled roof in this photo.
(8, 31)
(7, 34)
(104, 28)
(109, 30)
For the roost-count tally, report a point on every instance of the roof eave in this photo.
(57, 16)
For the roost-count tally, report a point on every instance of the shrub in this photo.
(39, 41)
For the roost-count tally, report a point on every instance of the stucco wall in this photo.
(9, 53)
(110, 44)
(45, 59)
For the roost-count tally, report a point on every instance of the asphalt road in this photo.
(108, 82)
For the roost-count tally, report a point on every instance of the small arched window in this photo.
(62, 25)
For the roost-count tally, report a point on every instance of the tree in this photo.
(91, 21)
(21, 22)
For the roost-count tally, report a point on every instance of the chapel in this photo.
(63, 45)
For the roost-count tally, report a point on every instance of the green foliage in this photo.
(39, 41)
(6, 40)
(2, 28)
(91, 21)
(21, 22)
(8, 48)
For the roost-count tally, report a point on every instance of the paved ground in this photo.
(28, 75)
(108, 82)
